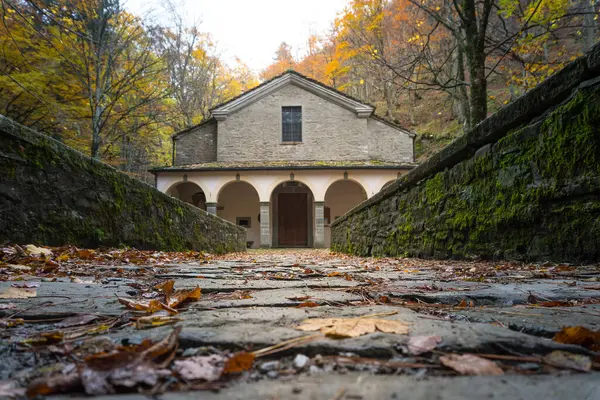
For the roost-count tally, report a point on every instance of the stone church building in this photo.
(285, 159)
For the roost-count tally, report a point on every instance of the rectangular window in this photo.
(243, 221)
(291, 119)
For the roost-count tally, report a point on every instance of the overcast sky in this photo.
(252, 29)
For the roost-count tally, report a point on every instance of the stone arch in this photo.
(188, 192)
(292, 222)
(341, 196)
(238, 202)
(278, 182)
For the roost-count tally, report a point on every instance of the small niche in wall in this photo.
(243, 221)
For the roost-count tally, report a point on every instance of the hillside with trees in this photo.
(438, 67)
(116, 86)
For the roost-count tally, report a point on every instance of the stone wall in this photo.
(197, 144)
(53, 195)
(523, 184)
(329, 132)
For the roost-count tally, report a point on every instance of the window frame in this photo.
(294, 137)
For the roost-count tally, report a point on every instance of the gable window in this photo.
(291, 120)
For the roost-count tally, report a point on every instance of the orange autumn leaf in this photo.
(181, 296)
(167, 289)
(239, 362)
(579, 335)
(149, 306)
(307, 304)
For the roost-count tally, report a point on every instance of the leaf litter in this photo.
(179, 373)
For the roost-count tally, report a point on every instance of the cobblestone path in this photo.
(502, 312)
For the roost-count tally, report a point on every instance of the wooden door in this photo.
(292, 216)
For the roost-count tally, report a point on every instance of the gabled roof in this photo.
(362, 109)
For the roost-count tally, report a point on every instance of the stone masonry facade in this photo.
(197, 145)
(329, 133)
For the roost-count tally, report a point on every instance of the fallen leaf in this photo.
(464, 303)
(180, 296)
(55, 384)
(564, 359)
(149, 306)
(301, 298)
(8, 306)
(37, 251)
(26, 285)
(239, 362)
(470, 364)
(580, 336)
(208, 368)
(9, 323)
(18, 293)
(555, 304)
(307, 304)
(353, 327)
(152, 321)
(167, 289)
(422, 344)
(85, 254)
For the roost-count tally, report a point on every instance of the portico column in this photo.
(265, 225)
(319, 224)
(211, 208)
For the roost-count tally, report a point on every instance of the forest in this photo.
(116, 86)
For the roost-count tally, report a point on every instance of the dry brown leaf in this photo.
(152, 321)
(239, 362)
(149, 306)
(580, 336)
(55, 384)
(470, 364)
(18, 293)
(422, 344)
(556, 304)
(167, 289)
(307, 304)
(564, 359)
(180, 296)
(353, 327)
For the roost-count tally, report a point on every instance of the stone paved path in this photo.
(257, 299)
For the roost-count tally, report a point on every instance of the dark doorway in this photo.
(292, 219)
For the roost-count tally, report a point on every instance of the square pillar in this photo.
(265, 224)
(319, 240)
(211, 208)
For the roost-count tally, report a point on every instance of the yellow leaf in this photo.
(18, 293)
(353, 327)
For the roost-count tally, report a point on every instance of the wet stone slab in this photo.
(255, 300)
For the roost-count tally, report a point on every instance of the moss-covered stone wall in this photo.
(51, 194)
(524, 184)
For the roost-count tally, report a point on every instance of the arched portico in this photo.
(238, 202)
(188, 192)
(341, 196)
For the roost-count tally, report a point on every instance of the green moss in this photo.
(533, 195)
